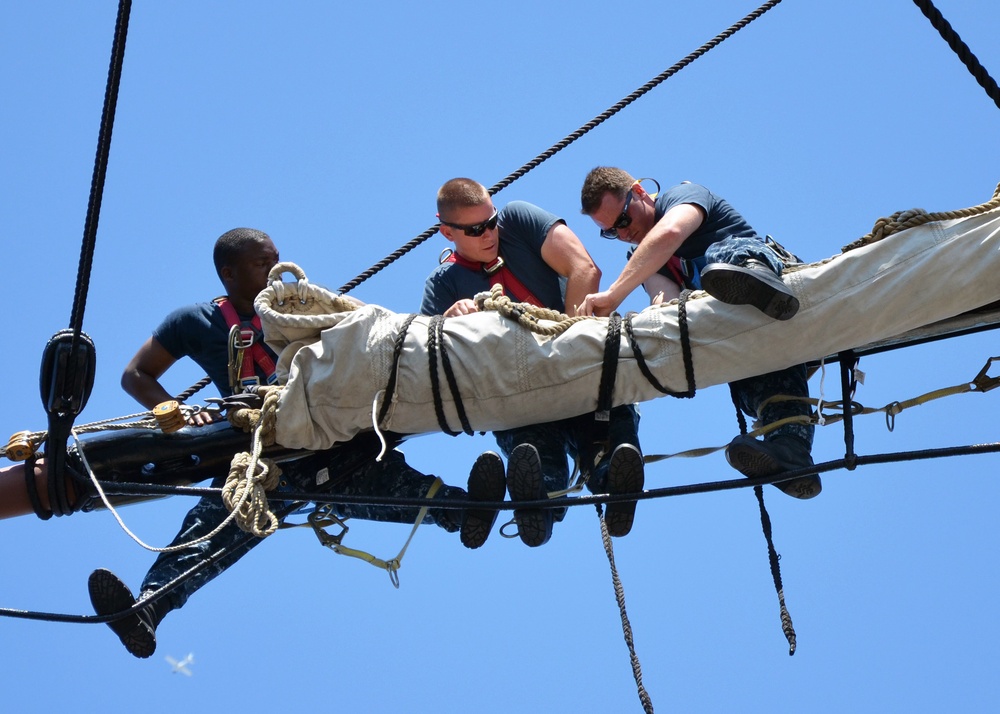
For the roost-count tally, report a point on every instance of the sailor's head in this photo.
(469, 219)
(618, 204)
(243, 258)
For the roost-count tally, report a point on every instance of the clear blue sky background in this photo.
(330, 126)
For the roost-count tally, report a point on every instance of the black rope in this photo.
(960, 48)
(686, 355)
(772, 554)
(100, 166)
(397, 352)
(560, 145)
(609, 374)
(435, 343)
(193, 389)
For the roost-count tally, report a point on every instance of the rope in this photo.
(435, 343)
(250, 475)
(960, 48)
(397, 352)
(562, 144)
(640, 360)
(901, 220)
(647, 704)
(772, 554)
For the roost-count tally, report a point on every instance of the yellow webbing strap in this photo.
(324, 517)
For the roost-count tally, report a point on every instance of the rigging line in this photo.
(100, 168)
(961, 49)
(122, 488)
(562, 144)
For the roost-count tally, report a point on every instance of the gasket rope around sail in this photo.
(336, 357)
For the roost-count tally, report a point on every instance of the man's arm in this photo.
(565, 254)
(142, 374)
(652, 253)
(661, 289)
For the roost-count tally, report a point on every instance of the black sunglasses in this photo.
(624, 221)
(476, 229)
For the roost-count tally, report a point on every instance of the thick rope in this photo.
(555, 148)
(250, 475)
(901, 220)
(961, 49)
(647, 704)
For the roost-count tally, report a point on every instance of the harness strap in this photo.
(251, 336)
(498, 274)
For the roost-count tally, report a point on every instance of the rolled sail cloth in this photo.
(335, 361)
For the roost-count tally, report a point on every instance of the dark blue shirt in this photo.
(523, 228)
(721, 220)
(200, 332)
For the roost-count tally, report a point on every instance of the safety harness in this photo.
(498, 274)
(246, 336)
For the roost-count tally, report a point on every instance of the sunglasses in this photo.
(623, 221)
(476, 229)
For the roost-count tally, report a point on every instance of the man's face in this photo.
(627, 216)
(483, 248)
(248, 275)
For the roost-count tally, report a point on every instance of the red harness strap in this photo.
(499, 274)
(251, 338)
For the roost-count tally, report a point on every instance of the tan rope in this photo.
(901, 220)
(250, 476)
(525, 314)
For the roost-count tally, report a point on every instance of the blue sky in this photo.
(330, 126)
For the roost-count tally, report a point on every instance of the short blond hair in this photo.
(460, 193)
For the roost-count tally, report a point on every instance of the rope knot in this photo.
(244, 493)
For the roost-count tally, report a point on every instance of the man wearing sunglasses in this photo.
(687, 237)
(537, 259)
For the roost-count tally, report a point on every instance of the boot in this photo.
(766, 458)
(486, 483)
(525, 483)
(137, 631)
(753, 283)
(625, 475)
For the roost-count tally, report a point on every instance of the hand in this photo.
(462, 307)
(204, 418)
(601, 304)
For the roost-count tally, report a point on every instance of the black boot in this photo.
(137, 631)
(625, 475)
(486, 483)
(754, 283)
(525, 483)
(766, 458)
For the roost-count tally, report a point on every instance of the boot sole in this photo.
(625, 475)
(109, 595)
(524, 482)
(753, 464)
(486, 483)
(738, 286)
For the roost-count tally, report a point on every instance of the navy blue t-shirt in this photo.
(523, 228)
(721, 220)
(200, 332)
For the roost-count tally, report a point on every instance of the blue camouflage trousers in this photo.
(348, 469)
(753, 391)
(578, 438)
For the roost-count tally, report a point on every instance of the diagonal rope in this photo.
(560, 145)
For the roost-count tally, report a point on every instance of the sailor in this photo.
(687, 237)
(537, 259)
(243, 258)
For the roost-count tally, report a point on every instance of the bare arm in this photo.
(661, 289)
(141, 378)
(565, 254)
(652, 253)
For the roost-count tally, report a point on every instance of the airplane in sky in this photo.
(182, 665)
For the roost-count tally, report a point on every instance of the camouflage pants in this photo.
(753, 391)
(348, 469)
(577, 438)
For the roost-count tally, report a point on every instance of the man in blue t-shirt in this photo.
(243, 258)
(687, 237)
(537, 259)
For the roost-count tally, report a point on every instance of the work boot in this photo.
(486, 483)
(753, 283)
(137, 631)
(766, 458)
(525, 483)
(625, 475)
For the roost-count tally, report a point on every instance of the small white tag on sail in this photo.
(333, 363)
